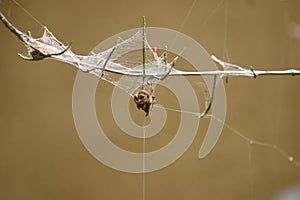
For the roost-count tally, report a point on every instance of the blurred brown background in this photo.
(42, 157)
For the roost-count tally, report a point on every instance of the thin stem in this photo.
(76, 60)
(172, 64)
(105, 63)
(211, 98)
(15, 31)
(144, 52)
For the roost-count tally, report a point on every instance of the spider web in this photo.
(122, 58)
(258, 151)
(127, 58)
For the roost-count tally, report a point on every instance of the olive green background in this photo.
(42, 157)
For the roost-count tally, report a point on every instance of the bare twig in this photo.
(62, 53)
(211, 98)
(144, 52)
(49, 47)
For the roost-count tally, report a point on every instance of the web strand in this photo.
(144, 162)
(251, 190)
(187, 15)
(28, 13)
(249, 141)
(252, 142)
(205, 21)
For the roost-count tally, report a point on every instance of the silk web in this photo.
(126, 58)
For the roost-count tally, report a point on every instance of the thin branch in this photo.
(49, 47)
(144, 52)
(172, 64)
(59, 52)
(15, 31)
(211, 98)
(105, 63)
